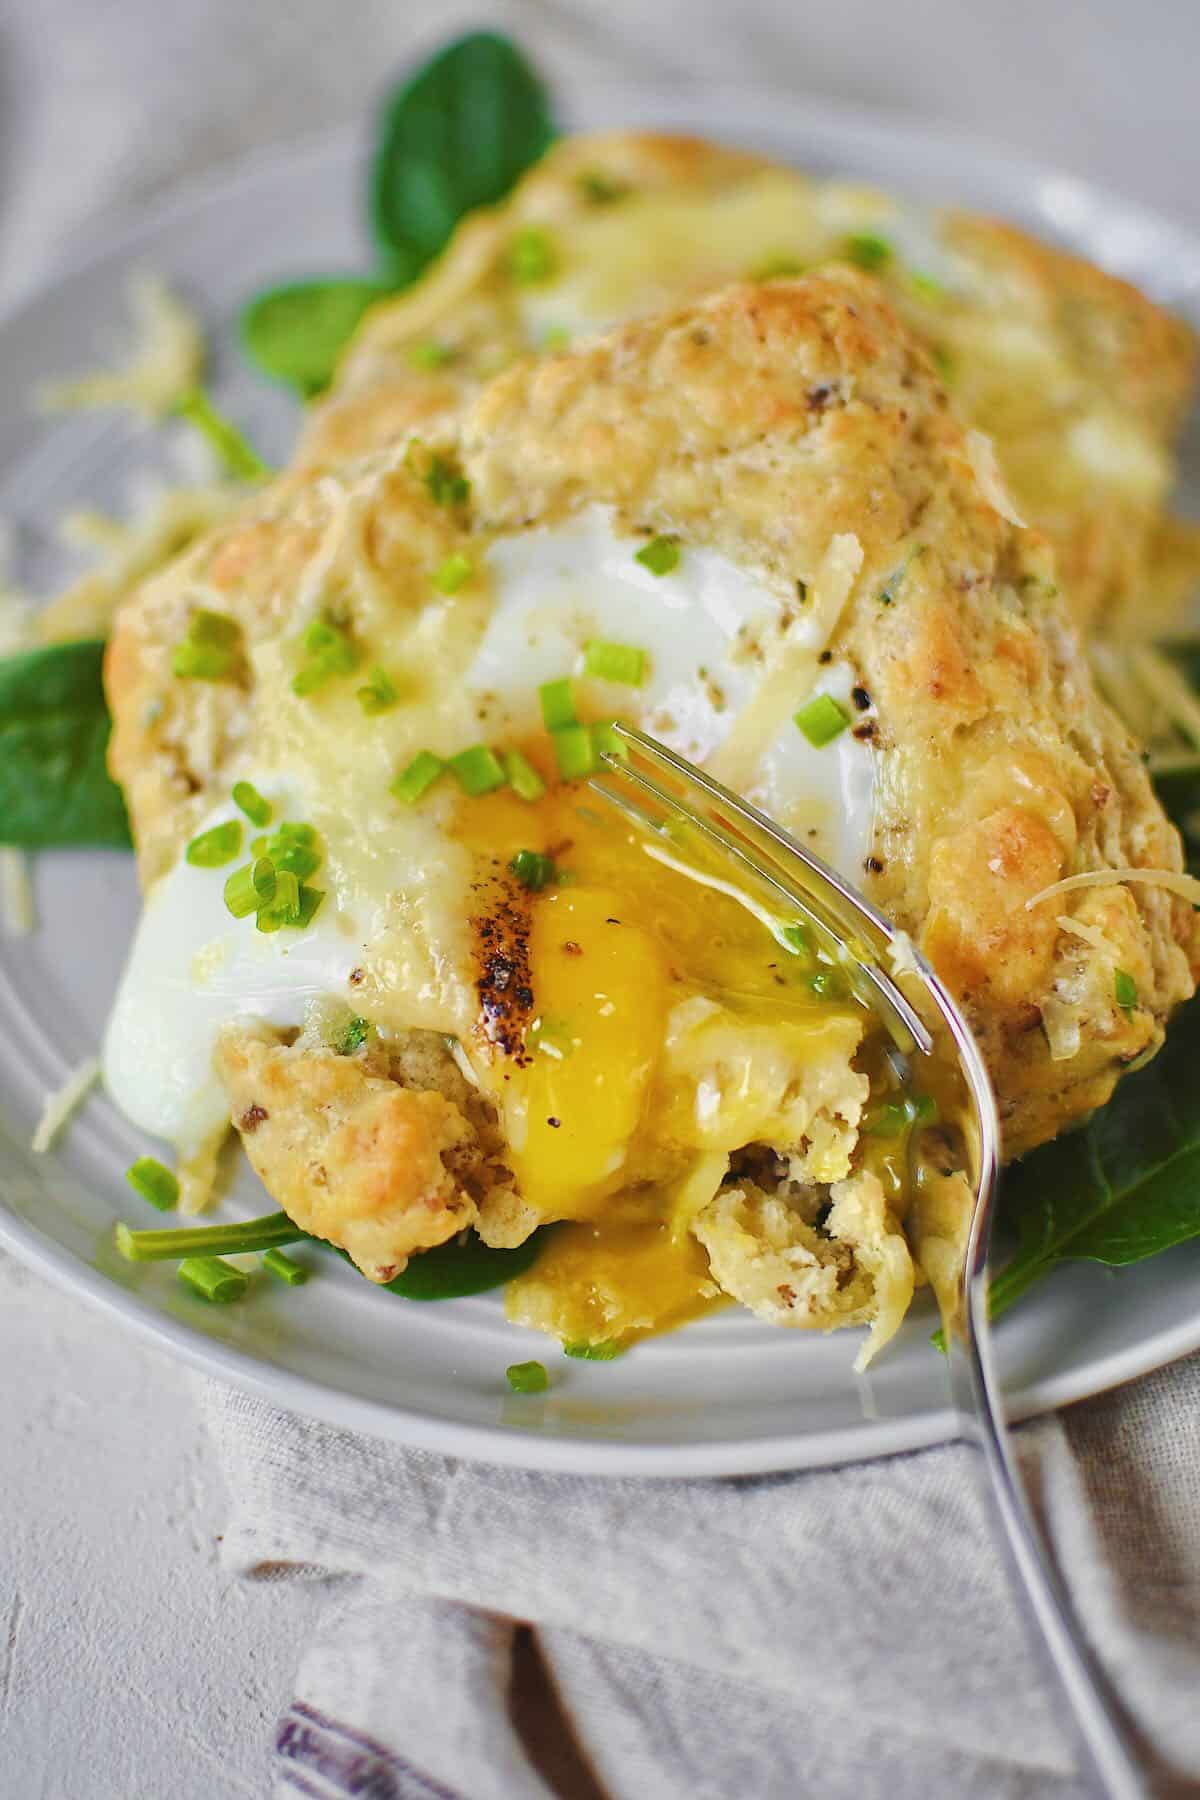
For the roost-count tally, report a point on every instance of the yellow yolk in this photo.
(600, 987)
(667, 1030)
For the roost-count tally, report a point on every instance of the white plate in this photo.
(724, 1396)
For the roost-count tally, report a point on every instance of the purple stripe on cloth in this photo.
(348, 1761)
(294, 1779)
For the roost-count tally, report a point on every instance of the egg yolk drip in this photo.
(668, 1029)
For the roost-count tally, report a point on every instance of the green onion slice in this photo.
(558, 703)
(379, 694)
(429, 355)
(867, 250)
(604, 1350)
(1125, 990)
(574, 751)
(154, 1182)
(477, 770)
(264, 1233)
(213, 1279)
(533, 869)
(532, 256)
(219, 844)
(247, 797)
(420, 775)
(660, 555)
(527, 1378)
(523, 778)
(281, 1266)
(210, 650)
(284, 905)
(822, 720)
(615, 662)
(453, 573)
(250, 887)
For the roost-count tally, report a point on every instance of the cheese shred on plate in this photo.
(59, 1106)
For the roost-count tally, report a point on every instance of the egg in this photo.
(397, 880)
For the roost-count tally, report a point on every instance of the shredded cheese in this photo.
(16, 893)
(1091, 934)
(1186, 886)
(1061, 1026)
(166, 360)
(986, 470)
(833, 585)
(1167, 686)
(59, 1106)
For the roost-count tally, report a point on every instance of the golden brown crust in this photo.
(351, 1156)
(1081, 381)
(770, 421)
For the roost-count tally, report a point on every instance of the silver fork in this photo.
(671, 800)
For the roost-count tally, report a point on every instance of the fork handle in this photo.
(1122, 1765)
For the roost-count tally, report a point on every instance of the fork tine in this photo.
(904, 1022)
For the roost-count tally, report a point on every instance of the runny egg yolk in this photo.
(667, 1029)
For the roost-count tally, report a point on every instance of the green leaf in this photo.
(455, 137)
(296, 333)
(55, 788)
(450, 1271)
(1124, 1188)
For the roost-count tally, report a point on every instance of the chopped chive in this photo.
(250, 887)
(292, 859)
(574, 751)
(294, 1273)
(615, 662)
(453, 573)
(477, 770)
(599, 188)
(605, 1350)
(284, 906)
(799, 938)
(822, 720)
(429, 355)
(867, 250)
(447, 484)
(420, 774)
(775, 268)
(154, 1182)
(310, 905)
(247, 797)
(533, 869)
(609, 742)
(925, 287)
(379, 693)
(219, 844)
(216, 1280)
(330, 651)
(660, 555)
(527, 1378)
(523, 778)
(210, 649)
(558, 703)
(264, 1233)
(532, 256)
(353, 1037)
(1125, 990)
(299, 833)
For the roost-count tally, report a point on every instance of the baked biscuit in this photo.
(1079, 380)
(767, 499)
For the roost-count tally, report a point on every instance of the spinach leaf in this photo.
(450, 1271)
(55, 788)
(455, 137)
(296, 333)
(1122, 1189)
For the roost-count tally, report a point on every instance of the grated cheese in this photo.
(986, 470)
(16, 892)
(833, 585)
(1091, 934)
(1061, 1026)
(1186, 886)
(167, 358)
(59, 1106)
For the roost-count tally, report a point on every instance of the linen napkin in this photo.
(843, 1632)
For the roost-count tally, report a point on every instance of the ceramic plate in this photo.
(727, 1395)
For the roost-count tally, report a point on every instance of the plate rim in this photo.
(122, 233)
